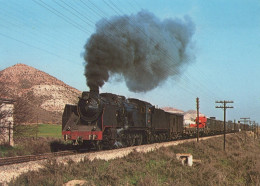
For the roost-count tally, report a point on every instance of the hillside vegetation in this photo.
(238, 165)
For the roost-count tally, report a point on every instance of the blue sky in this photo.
(50, 36)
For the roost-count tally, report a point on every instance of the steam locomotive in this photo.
(108, 121)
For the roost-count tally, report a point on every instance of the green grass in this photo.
(26, 142)
(40, 130)
(4, 150)
(49, 130)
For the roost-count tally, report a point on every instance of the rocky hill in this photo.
(44, 95)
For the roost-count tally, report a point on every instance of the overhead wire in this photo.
(139, 29)
(205, 89)
(59, 4)
(48, 7)
(164, 76)
(32, 33)
(62, 16)
(33, 46)
(121, 27)
(29, 33)
(108, 23)
(76, 25)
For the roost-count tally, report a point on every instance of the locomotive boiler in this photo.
(107, 120)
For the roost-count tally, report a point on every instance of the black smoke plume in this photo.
(144, 50)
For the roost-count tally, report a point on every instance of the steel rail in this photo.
(28, 158)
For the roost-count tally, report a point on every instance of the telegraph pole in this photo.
(254, 131)
(234, 125)
(246, 119)
(224, 106)
(197, 121)
(257, 130)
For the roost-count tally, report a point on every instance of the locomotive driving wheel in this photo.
(109, 141)
(129, 140)
(98, 145)
(139, 139)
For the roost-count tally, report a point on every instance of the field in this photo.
(238, 165)
(49, 130)
(33, 139)
(39, 130)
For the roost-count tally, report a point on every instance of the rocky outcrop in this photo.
(45, 94)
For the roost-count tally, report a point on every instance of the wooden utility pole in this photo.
(254, 129)
(246, 119)
(224, 106)
(257, 130)
(37, 128)
(197, 121)
(234, 127)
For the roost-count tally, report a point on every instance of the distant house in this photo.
(6, 121)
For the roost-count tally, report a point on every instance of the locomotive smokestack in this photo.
(94, 91)
(144, 50)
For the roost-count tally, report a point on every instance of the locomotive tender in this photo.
(107, 120)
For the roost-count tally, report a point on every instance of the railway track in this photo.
(7, 173)
(28, 158)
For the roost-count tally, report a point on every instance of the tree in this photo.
(22, 114)
(6, 117)
(19, 112)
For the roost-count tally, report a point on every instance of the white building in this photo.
(6, 121)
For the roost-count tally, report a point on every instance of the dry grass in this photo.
(32, 146)
(239, 165)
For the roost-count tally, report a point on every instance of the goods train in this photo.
(211, 126)
(108, 121)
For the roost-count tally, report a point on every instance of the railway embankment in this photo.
(9, 172)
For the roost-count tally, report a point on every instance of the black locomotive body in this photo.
(109, 120)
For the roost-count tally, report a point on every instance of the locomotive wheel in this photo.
(163, 137)
(159, 138)
(153, 138)
(139, 139)
(130, 140)
(109, 142)
(98, 145)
